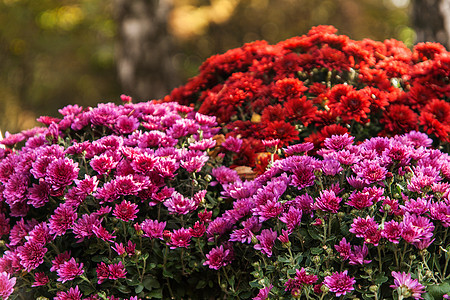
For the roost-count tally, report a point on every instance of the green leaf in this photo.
(439, 290)
(313, 234)
(283, 259)
(151, 283)
(138, 289)
(316, 251)
(380, 278)
(155, 294)
(200, 285)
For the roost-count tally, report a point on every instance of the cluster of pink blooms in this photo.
(71, 179)
(356, 180)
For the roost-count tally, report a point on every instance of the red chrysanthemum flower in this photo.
(399, 119)
(281, 130)
(435, 118)
(300, 110)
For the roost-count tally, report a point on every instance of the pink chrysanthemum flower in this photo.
(328, 201)
(303, 278)
(32, 255)
(406, 286)
(102, 272)
(180, 238)
(292, 218)
(117, 271)
(59, 260)
(416, 228)
(85, 226)
(6, 285)
(40, 279)
(125, 211)
(217, 258)
(338, 142)
(69, 270)
(358, 255)
(60, 173)
(340, 283)
(263, 293)
(392, 231)
(63, 219)
(178, 204)
(344, 249)
(266, 241)
(232, 144)
(298, 149)
(153, 228)
(71, 294)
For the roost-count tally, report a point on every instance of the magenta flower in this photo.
(40, 279)
(263, 293)
(102, 272)
(292, 218)
(360, 200)
(71, 294)
(266, 241)
(6, 285)
(328, 201)
(180, 238)
(69, 270)
(338, 142)
(153, 228)
(144, 163)
(416, 228)
(86, 226)
(232, 144)
(60, 173)
(370, 171)
(406, 286)
(224, 175)
(117, 271)
(358, 255)
(59, 260)
(125, 211)
(392, 231)
(218, 257)
(32, 255)
(340, 283)
(303, 278)
(298, 149)
(63, 219)
(178, 204)
(344, 249)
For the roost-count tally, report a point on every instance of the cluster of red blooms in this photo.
(311, 87)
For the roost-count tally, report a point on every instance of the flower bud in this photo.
(324, 288)
(373, 288)
(369, 271)
(316, 259)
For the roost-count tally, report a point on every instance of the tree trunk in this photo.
(145, 62)
(431, 21)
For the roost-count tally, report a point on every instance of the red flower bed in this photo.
(310, 87)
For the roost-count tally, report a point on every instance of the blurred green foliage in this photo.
(59, 52)
(53, 53)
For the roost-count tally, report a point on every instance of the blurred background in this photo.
(59, 52)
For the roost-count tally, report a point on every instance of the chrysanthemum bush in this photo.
(108, 203)
(367, 221)
(310, 87)
(144, 200)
